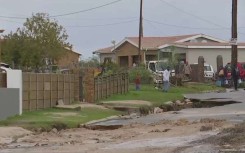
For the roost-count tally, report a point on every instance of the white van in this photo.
(208, 71)
(4, 67)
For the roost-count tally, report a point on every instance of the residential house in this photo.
(69, 60)
(184, 47)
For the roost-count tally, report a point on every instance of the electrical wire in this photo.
(101, 25)
(66, 14)
(86, 10)
(197, 17)
(186, 27)
(190, 14)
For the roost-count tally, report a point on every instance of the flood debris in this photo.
(102, 127)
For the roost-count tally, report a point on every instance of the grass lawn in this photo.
(49, 118)
(157, 97)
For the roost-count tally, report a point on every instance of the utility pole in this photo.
(234, 42)
(140, 31)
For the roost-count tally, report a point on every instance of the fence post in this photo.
(69, 88)
(51, 90)
(64, 88)
(37, 92)
(29, 92)
(43, 90)
(117, 83)
(98, 88)
(58, 87)
(109, 85)
(121, 83)
(200, 69)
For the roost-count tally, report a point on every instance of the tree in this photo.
(40, 39)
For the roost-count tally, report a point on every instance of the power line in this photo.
(86, 10)
(101, 25)
(156, 28)
(66, 14)
(12, 17)
(190, 14)
(186, 27)
(11, 21)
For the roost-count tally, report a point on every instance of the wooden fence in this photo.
(105, 86)
(44, 90)
(3, 82)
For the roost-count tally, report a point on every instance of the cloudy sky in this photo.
(98, 26)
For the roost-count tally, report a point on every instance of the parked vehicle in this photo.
(4, 67)
(157, 68)
(208, 71)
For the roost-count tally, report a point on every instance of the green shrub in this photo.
(145, 75)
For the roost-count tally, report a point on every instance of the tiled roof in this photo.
(155, 42)
(104, 50)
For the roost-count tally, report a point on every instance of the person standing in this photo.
(221, 75)
(187, 70)
(235, 76)
(137, 82)
(166, 75)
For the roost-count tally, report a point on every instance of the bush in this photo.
(145, 75)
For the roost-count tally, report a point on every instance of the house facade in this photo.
(69, 60)
(184, 48)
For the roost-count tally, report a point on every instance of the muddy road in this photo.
(196, 130)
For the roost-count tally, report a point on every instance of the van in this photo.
(4, 67)
(208, 71)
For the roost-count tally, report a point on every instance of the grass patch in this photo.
(61, 118)
(157, 97)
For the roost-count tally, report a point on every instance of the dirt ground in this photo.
(162, 137)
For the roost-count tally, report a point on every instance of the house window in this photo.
(107, 59)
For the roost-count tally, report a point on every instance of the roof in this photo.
(155, 42)
(207, 45)
(70, 49)
(106, 50)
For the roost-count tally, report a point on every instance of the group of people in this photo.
(165, 77)
(227, 74)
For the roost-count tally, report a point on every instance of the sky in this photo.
(98, 26)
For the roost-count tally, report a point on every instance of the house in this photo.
(69, 60)
(184, 47)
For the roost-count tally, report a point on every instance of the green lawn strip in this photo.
(157, 97)
(48, 117)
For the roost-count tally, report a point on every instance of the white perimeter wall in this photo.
(14, 80)
(210, 55)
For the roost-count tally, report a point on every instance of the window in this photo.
(152, 67)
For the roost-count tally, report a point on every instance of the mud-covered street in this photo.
(202, 130)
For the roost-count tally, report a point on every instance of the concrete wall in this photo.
(210, 55)
(14, 80)
(9, 102)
